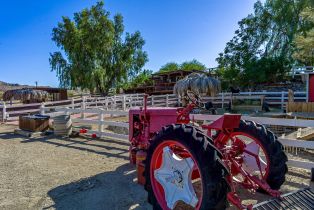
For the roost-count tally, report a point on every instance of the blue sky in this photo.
(174, 30)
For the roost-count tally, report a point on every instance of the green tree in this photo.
(187, 65)
(264, 36)
(143, 78)
(95, 51)
(192, 65)
(305, 42)
(230, 77)
(171, 66)
(265, 69)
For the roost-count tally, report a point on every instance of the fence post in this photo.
(167, 100)
(72, 103)
(106, 103)
(222, 100)
(82, 110)
(114, 102)
(42, 108)
(124, 103)
(282, 99)
(66, 112)
(4, 112)
(101, 120)
(83, 106)
(131, 101)
(153, 103)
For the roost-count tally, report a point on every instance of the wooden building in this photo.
(163, 82)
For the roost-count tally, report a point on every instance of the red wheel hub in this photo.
(251, 154)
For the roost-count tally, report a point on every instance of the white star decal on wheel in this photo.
(174, 175)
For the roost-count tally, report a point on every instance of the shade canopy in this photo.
(200, 84)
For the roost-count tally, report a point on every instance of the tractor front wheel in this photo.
(183, 170)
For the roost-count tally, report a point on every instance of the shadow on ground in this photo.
(110, 190)
(96, 146)
(8, 135)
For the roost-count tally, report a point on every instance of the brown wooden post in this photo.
(290, 100)
(290, 95)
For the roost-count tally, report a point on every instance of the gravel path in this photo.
(79, 173)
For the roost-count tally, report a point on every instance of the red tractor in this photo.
(184, 166)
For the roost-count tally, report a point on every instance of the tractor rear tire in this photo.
(273, 149)
(207, 158)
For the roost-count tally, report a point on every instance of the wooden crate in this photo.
(33, 123)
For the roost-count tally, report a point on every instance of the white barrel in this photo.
(62, 125)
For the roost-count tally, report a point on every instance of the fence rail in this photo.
(124, 102)
(100, 114)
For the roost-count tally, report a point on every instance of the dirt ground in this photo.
(80, 173)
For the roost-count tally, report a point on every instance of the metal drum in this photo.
(62, 125)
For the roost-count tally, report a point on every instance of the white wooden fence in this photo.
(11, 112)
(99, 121)
(124, 102)
(272, 98)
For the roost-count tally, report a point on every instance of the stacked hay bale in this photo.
(26, 95)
